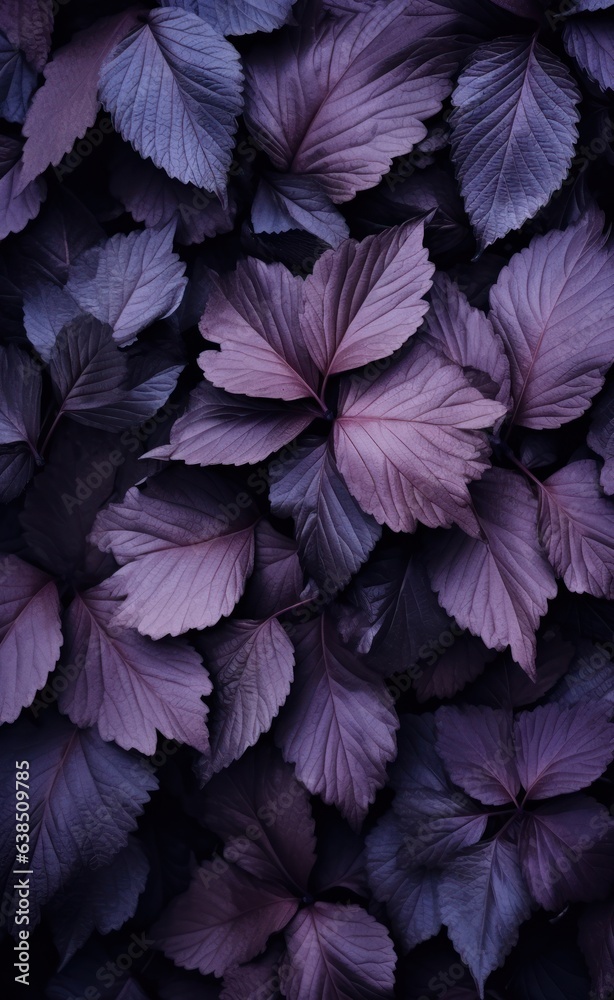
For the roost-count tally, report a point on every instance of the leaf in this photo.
(213, 931)
(17, 81)
(483, 901)
(102, 899)
(560, 749)
(47, 309)
(333, 702)
(244, 982)
(20, 382)
(553, 306)
(85, 796)
(368, 72)
(30, 633)
(277, 579)
(337, 953)
(220, 429)
(288, 201)
(465, 335)
(407, 443)
(128, 686)
(252, 665)
(507, 686)
(260, 794)
(601, 438)
(477, 747)
(67, 104)
(410, 896)
(589, 40)
(444, 675)
(129, 281)
(253, 314)
(237, 17)
(596, 938)
(184, 561)
(334, 535)
(365, 299)
(566, 850)
(28, 24)
(576, 525)
(513, 132)
(64, 230)
(175, 67)
(19, 202)
(497, 585)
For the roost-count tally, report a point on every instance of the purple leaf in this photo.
(47, 309)
(254, 979)
(17, 81)
(465, 335)
(253, 313)
(410, 896)
(184, 562)
(560, 750)
(340, 861)
(506, 685)
(477, 747)
(289, 201)
(28, 25)
(497, 585)
(252, 665)
(333, 702)
(223, 919)
(513, 132)
(365, 299)
(127, 685)
(277, 579)
(576, 525)
(596, 939)
(264, 818)
(220, 429)
(152, 197)
(589, 40)
(67, 103)
(129, 281)
(601, 438)
(334, 535)
(444, 675)
(553, 305)
(407, 442)
(19, 202)
(237, 17)
(337, 953)
(175, 67)
(372, 84)
(50, 245)
(101, 899)
(20, 384)
(566, 849)
(85, 796)
(16, 468)
(483, 901)
(30, 633)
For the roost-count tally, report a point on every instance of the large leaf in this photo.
(129, 281)
(334, 534)
(127, 685)
(176, 67)
(237, 17)
(85, 796)
(30, 634)
(67, 103)
(365, 299)
(337, 953)
(483, 901)
(333, 702)
(513, 132)
(498, 584)
(184, 561)
(371, 87)
(553, 305)
(477, 747)
(408, 442)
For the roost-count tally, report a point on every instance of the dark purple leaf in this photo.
(184, 561)
(408, 442)
(277, 579)
(30, 633)
(20, 384)
(47, 309)
(19, 202)
(17, 81)
(443, 674)
(553, 305)
(596, 938)
(477, 747)
(176, 67)
(337, 953)
(28, 24)
(601, 438)
(368, 72)
(589, 40)
(513, 132)
(497, 585)
(334, 534)
(289, 201)
(506, 685)
(254, 980)
(334, 701)
(237, 17)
